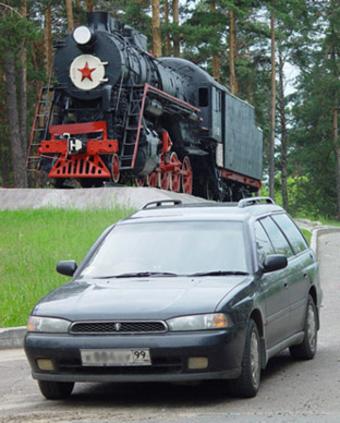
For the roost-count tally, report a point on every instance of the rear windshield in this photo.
(176, 247)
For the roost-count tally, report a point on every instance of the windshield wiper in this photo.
(220, 273)
(138, 275)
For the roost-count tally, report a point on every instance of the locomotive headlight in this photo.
(82, 35)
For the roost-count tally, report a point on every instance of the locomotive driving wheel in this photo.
(140, 181)
(175, 174)
(186, 176)
(164, 180)
(152, 179)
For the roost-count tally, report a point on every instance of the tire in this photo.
(55, 390)
(307, 349)
(247, 385)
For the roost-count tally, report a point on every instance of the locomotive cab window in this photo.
(203, 97)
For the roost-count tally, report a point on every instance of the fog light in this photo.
(197, 363)
(45, 364)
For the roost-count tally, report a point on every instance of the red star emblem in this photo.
(86, 72)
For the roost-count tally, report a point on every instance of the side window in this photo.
(203, 97)
(263, 245)
(293, 234)
(277, 238)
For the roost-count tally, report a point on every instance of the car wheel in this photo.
(55, 390)
(248, 383)
(307, 349)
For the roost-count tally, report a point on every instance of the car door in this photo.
(274, 285)
(302, 265)
(273, 291)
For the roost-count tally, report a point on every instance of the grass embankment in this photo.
(31, 243)
(307, 234)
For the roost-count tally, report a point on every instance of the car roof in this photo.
(176, 210)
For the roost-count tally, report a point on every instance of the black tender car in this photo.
(180, 293)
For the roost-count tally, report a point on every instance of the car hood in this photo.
(150, 298)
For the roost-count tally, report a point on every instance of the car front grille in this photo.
(118, 327)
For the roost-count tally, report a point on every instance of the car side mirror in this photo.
(67, 267)
(274, 262)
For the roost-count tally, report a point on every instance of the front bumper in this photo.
(169, 355)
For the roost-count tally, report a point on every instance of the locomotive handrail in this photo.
(160, 203)
(253, 201)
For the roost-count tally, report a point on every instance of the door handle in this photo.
(307, 278)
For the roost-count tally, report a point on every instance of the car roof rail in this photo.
(161, 203)
(254, 201)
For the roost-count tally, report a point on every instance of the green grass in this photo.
(321, 219)
(307, 234)
(31, 243)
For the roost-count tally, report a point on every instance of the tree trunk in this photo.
(334, 53)
(77, 13)
(216, 60)
(89, 5)
(167, 35)
(232, 53)
(337, 155)
(69, 15)
(22, 76)
(283, 123)
(272, 113)
(156, 29)
(48, 39)
(175, 16)
(5, 166)
(17, 152)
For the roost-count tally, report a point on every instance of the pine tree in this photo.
(69, 15)
(48, 38)
(11, 48)
(23, 83)
(232, 52)
(156, 29)
(176, 36)
(272, 108)
(166, 28)
(89, 5)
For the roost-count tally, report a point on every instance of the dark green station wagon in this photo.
(180, 293)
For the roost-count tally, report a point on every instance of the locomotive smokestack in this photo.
(102, 21)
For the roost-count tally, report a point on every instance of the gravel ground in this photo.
(291, 391)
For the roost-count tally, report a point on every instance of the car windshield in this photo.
(170, 249)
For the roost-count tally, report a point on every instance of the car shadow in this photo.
(167, 394)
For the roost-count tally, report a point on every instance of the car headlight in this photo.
(200, 322)
(47, 324)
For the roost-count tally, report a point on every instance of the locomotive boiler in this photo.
(116, 113)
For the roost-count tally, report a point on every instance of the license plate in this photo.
(115, 357)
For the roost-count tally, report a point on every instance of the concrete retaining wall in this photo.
(90, 198)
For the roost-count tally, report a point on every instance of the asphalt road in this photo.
(291, 391)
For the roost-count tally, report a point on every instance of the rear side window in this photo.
(263, 245)
(276, 237)
(293, 234)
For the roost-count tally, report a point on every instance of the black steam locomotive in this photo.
(119, 114)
